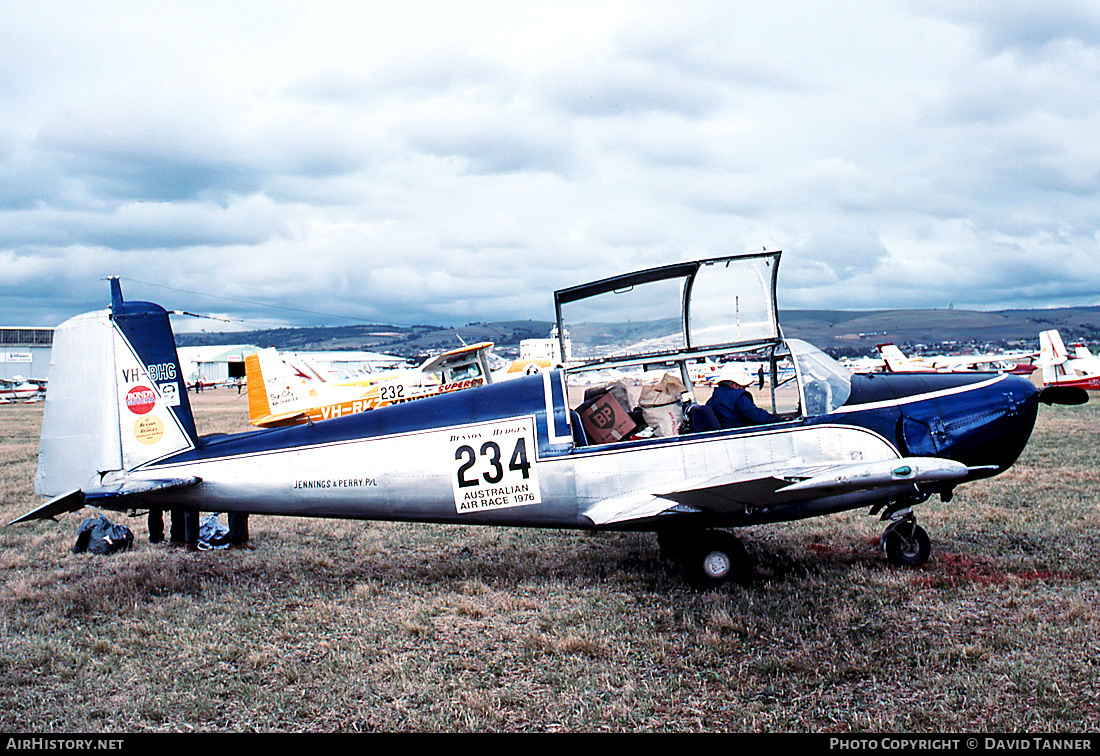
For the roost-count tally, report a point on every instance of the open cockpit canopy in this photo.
(691, 314)
(686, 310)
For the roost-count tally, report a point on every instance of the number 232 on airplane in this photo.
(118, 432)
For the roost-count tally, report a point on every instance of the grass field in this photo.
(346, 626)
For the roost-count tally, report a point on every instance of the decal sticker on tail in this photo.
(148, 423)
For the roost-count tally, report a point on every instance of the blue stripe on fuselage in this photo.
(517, 397)
(877, 411)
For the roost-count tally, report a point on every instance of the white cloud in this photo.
(457, 161)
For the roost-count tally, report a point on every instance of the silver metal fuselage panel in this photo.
(505, 471)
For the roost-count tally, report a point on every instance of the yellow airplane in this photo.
(281, 394)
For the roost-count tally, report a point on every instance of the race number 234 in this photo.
(495, 468)
(492, 468)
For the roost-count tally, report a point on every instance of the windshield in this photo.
(689, 309)
(641, 319)
(732, 303)
(825, 384)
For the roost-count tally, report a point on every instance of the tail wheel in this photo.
(715, 559)
(906, 544)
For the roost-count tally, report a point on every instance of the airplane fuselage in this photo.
(506, 454)
(1089, 382)
(118, 431)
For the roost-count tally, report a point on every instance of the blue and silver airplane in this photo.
(118, 431)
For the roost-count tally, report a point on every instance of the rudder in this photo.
(116, 399)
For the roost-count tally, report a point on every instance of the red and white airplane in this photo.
(19, 389)
(1018, 363)
(1082, 370)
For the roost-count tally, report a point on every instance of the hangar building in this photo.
(224, 365)
(25, 353)
(221, 364)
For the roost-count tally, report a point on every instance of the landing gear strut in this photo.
(708, 558)
(905, 543)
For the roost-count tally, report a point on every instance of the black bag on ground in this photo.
(100, 536)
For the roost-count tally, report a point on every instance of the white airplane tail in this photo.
(1052, 356)
(896, 361)
(117, 399)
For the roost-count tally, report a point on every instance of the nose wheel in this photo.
(905, 543)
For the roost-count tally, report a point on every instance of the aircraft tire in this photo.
(715, 559)
(906, 544)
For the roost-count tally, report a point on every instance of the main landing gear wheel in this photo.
(714, 559)
(906, 544)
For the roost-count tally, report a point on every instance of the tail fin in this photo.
(304, 368)
(276, 396)
(1051, 348)
(116, 400)
(1052, 356)
(896, 361)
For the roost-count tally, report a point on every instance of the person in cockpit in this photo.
(732, 405)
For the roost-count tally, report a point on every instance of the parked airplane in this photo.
(1059, 369)
(863, 364)
(19, 389)
(281, 394)
(118, 432)
(895, 361)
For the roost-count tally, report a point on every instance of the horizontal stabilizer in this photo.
(66, 502)
(276, 421)
(100, 496)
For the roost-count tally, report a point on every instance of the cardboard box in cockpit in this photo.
(605, 420)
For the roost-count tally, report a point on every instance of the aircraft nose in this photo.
(1010, 429)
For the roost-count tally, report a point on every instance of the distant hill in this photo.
(405, 341)
(839, 332)
(858, 332)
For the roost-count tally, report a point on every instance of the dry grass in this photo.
(343, 626)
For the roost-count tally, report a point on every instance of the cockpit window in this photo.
(687, 310)
(732, 304)
(463, 372)
(825, 384)
(638, 319)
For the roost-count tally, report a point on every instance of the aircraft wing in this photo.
(981, 359)
(111, 496)
(735, 493)
(446, 358)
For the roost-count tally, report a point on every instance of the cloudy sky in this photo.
(334, 162)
